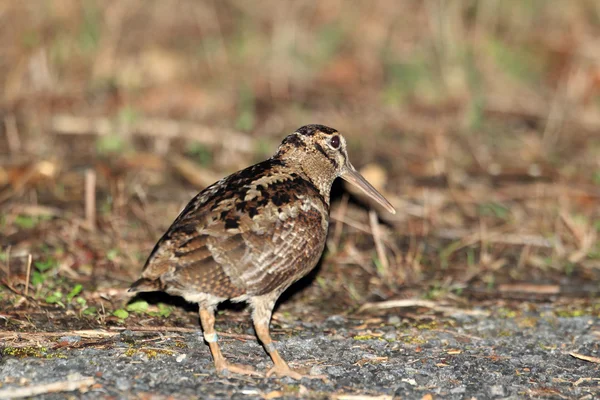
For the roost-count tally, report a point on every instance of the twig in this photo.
(154, 329)
(557, 113)
(216, 56)
(595, 360)
(19, 340)
(405, 303)
(179, 329)
(529, 288)
(523, 256)
(29, 259)
(385, 266)
(582, 380)
(8, 285)
(36, 210)
(484, 256)
(103, 314)
(8, 264)
(382, 305)
(106, 56)
(352, 223)
(356, 257)
(12, 134)
(339, 216)
(570, 224)
(493, 237)
(155, 127)
(90, 199)
(55, 387)
(87, 333)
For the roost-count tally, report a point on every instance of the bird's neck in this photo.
(314, 169)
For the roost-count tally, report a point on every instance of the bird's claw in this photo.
(237, 369)
(283, 371)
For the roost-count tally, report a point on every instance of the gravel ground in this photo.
(463, 357)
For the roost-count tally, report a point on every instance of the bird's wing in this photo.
(182, 260)
(281, 248)
(244, 239)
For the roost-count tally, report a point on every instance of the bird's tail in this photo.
(145, 285)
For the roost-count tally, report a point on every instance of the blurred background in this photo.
(480, 121)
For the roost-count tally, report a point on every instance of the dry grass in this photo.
(479, 120)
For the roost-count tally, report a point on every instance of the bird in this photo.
(249, 236)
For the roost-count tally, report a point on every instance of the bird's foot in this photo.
(283, 370)
(226, 368)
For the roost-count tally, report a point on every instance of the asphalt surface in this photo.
(485, 357)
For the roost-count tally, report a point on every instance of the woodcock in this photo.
(249, 236)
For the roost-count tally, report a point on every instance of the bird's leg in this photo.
(280, 368)
(207, 318)
(261, 316)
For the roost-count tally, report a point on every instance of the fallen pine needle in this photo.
(595, 360)
(55, 387)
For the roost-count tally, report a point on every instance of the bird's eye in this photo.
(335, 142)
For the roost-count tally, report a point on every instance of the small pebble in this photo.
(123, 384)
(497, 390)
(74, 376)
(250, 392)
(336, 319)
(458, 390)
(410, 381)
(126, 334)
(316, 370)
(181, 357)
(336, 371)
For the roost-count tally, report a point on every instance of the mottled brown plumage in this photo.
(249, 236)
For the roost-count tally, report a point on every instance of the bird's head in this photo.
(320, 153)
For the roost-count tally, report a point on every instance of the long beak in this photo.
(351, 175)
